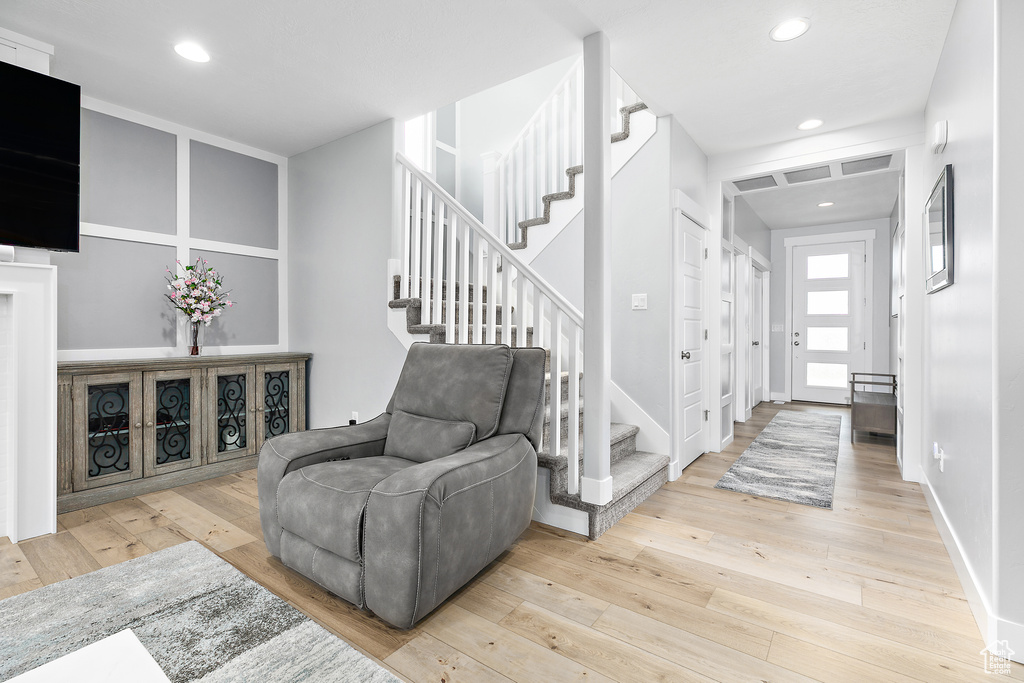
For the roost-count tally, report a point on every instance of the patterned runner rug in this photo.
(199, 618)
(792, 459)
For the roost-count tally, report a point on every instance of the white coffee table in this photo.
(119, 658)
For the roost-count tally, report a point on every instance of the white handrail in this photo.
(497, 246)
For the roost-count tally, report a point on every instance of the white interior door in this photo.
(830, 308)
(756, 341)
(694, 362)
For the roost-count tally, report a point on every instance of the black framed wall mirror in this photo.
(938, 244)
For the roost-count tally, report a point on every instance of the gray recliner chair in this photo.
(396, 514)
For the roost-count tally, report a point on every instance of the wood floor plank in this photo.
(425, 658)
(9, 591)
(486, 601)
(134, 516)
(59, 556)
(14, 566)
(604, 653)
(693, 652)
(562, 600)
(502, 650)
(165, 536)
(216, 501)
(828, 666)
(214, 531)
(108, 542)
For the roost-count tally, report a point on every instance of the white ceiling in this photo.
(289, 76)
(855, 198)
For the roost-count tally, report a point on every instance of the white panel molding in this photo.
(184, 243)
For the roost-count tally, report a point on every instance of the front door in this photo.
(830, 309)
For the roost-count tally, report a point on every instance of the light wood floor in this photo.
(697, 584)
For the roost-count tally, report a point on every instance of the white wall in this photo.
(490, 121)
(641, 262)
(1008, 474)
(958, 330)
(749, 226)
(879, 343)
(340, 223)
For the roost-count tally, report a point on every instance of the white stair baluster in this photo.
(438, 294)
(450, 280)
(406, 233)
(413, 286)
(506, 304)
(555, 404)
(574, 408)
(478, 293)
(493, 297)
(464, 284)
(428, 241)
(538, 312)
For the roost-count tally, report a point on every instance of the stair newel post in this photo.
(555, 403)
(596, 486)
(581, 108)
(425, 247)
(450, 280)
(492, 191)
(566, 130)
(554, 184)
(541, 155)
(520, 203)
(416, 228)
(464, 284)
(479, 278)
(506, 304)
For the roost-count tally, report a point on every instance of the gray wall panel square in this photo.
(253, 283)
(110, 295)
(129, 174)
(233, 197)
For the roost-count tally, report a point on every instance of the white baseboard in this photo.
(978, 604)
(652, 437)
(779, 396)
(546, 512)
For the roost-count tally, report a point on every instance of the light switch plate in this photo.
(639, 302)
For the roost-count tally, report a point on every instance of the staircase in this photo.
(635, 474)
(455, 281)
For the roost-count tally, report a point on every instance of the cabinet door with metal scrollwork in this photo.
(279, 387)
(107, 436)
(232, 416)
(171, 432)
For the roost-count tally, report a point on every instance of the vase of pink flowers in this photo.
(196, 292)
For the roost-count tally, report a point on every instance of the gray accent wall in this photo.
(253, 286)
(129, 174)
(340, 207)
(110, 295)
(233, 197)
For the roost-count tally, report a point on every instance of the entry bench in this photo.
(872, 411)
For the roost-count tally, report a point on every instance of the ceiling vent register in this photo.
(761, 183)
(865, 165)
(805, 175)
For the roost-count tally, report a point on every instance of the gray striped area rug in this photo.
(199, 617)
(792, 459)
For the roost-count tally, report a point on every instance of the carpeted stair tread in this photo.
(619, 433)
(629, 476)
(625, 113)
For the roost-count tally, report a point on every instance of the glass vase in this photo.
(196, 336)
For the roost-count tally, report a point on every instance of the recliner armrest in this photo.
(431, 527)
(283, 454)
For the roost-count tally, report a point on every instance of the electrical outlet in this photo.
(939, 455)
(354, 419)
(639, 302)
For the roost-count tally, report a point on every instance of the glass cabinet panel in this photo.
(173, 423)
(276, 418)
(231, 413)
(109, 433)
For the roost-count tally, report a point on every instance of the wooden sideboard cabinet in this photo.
(125, 428)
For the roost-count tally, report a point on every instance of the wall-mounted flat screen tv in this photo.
(40, 122)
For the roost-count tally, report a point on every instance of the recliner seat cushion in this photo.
(324, 503)
(419, 438)
(464, 383)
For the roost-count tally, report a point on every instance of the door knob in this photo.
(796, 343)
(757, 343)
(685, 355)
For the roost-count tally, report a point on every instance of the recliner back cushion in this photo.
(421, 439)
(462, 383)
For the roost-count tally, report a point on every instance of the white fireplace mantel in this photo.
(29, 390)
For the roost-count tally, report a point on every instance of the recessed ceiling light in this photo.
(192, 51)
(824, 204)
(810, 124)
(790, 29)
